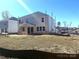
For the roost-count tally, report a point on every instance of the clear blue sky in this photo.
(63, 10)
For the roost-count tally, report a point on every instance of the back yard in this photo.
(49, 43)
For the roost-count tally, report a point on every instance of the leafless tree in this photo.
(59, 24)
(5, 14)
(65, 24)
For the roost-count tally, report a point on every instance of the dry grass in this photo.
(50, 43)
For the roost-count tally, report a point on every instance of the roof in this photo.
(13, 18)
(26, 24)
(29, 18)
(41, 13)
(35, 13)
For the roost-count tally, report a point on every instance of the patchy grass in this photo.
(50, 43)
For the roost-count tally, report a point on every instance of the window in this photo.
(23, 29)
(27, 21)
(38, 29)
(20, 21)
(42, 19)
(43, 28)
(31, 29)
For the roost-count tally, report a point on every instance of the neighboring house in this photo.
(69, 30)
(62, 30)
(75, 31)
(9, 25)
(37, 23)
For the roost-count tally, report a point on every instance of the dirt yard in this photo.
(48, 43)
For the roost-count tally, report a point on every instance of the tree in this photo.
(59, 24)
(70, 24)
(78, 26)
(5, 14)
(65, 24)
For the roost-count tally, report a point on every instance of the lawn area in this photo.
(49, 43)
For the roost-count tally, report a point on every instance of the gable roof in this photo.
(41, 13)
(29, 18)
(36, 14)
(13, 18)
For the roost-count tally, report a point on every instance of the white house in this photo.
(9, 25)
(37, 22)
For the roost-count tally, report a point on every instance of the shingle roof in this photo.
(13, 18)
(32, 16)
(35, 13)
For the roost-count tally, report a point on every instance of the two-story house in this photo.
(38, 23)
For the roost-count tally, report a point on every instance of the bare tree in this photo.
(59, 24)
(5, 14)
(78, 26)
(65, 24)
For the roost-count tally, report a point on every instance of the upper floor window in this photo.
(20, 21)
(42, 19)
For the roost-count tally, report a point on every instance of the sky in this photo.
(61, 10)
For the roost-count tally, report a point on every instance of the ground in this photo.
(49, 43)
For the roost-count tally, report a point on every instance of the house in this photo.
(36, 23)
(75, 31)
(62, 30)
(67, 30)
(9, 25)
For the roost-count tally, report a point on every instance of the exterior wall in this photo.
(36, 20)
(25, 26)
(39, 23)
(0, 30)
(49, 24)
(13, 26)
(52, 24)
(21, 31)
